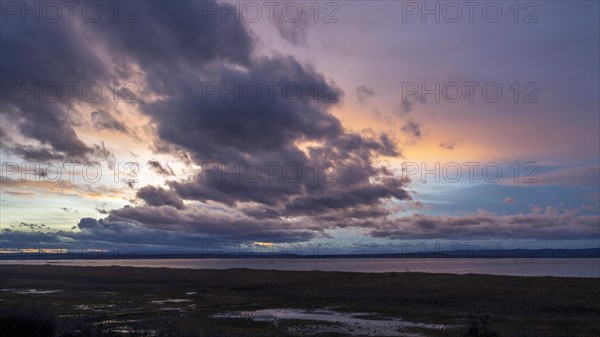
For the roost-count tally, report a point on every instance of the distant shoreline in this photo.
(522, 267)
(451, 255)
(314, 270)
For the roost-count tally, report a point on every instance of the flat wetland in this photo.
(133, 301)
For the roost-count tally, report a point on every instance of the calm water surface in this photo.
(571, 267)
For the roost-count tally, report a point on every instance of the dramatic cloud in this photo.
(35, 96)
(63, 187)
(156, 196)
(448, 145)
(104, 120)
(412, 128)
(405, 107)
(293, 26)
(164, 170)
(364, 93)
(269, 150)
(263, 157)
(547, 224)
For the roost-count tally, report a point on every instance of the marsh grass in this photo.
(484, 306)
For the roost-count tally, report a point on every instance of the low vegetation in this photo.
(64, 301)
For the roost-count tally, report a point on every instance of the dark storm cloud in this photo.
(226, 137)
(169, 36)
(69, 210)
(351, 143)
(212, 129)
(108, 233)
(39, 55)
(164, 170)
(389, 147)
(97, 234)
(220, 225)
(31, 153)
(293, 29)
(364, 93)
(345, 197)
(343, 180)
(412, 128)
(549, 224)
(16, 238)
(32, 226)
(448, 145)
(104, 120)
(156, 196)
(34, 55)
(63, 187)
(48, 125)
(177, 51)
(405, 107)
(101, 209)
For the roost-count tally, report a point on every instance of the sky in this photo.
(367, 126)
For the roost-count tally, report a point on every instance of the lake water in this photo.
(568, 267)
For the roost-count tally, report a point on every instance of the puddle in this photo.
(70, 315)
(117, 321)
(329, 321)
(170, 300)
(129, 330)
(171, 309)
(94, 307)
(107, 293)
(33, 291)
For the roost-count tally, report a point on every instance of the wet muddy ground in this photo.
(145, 301)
